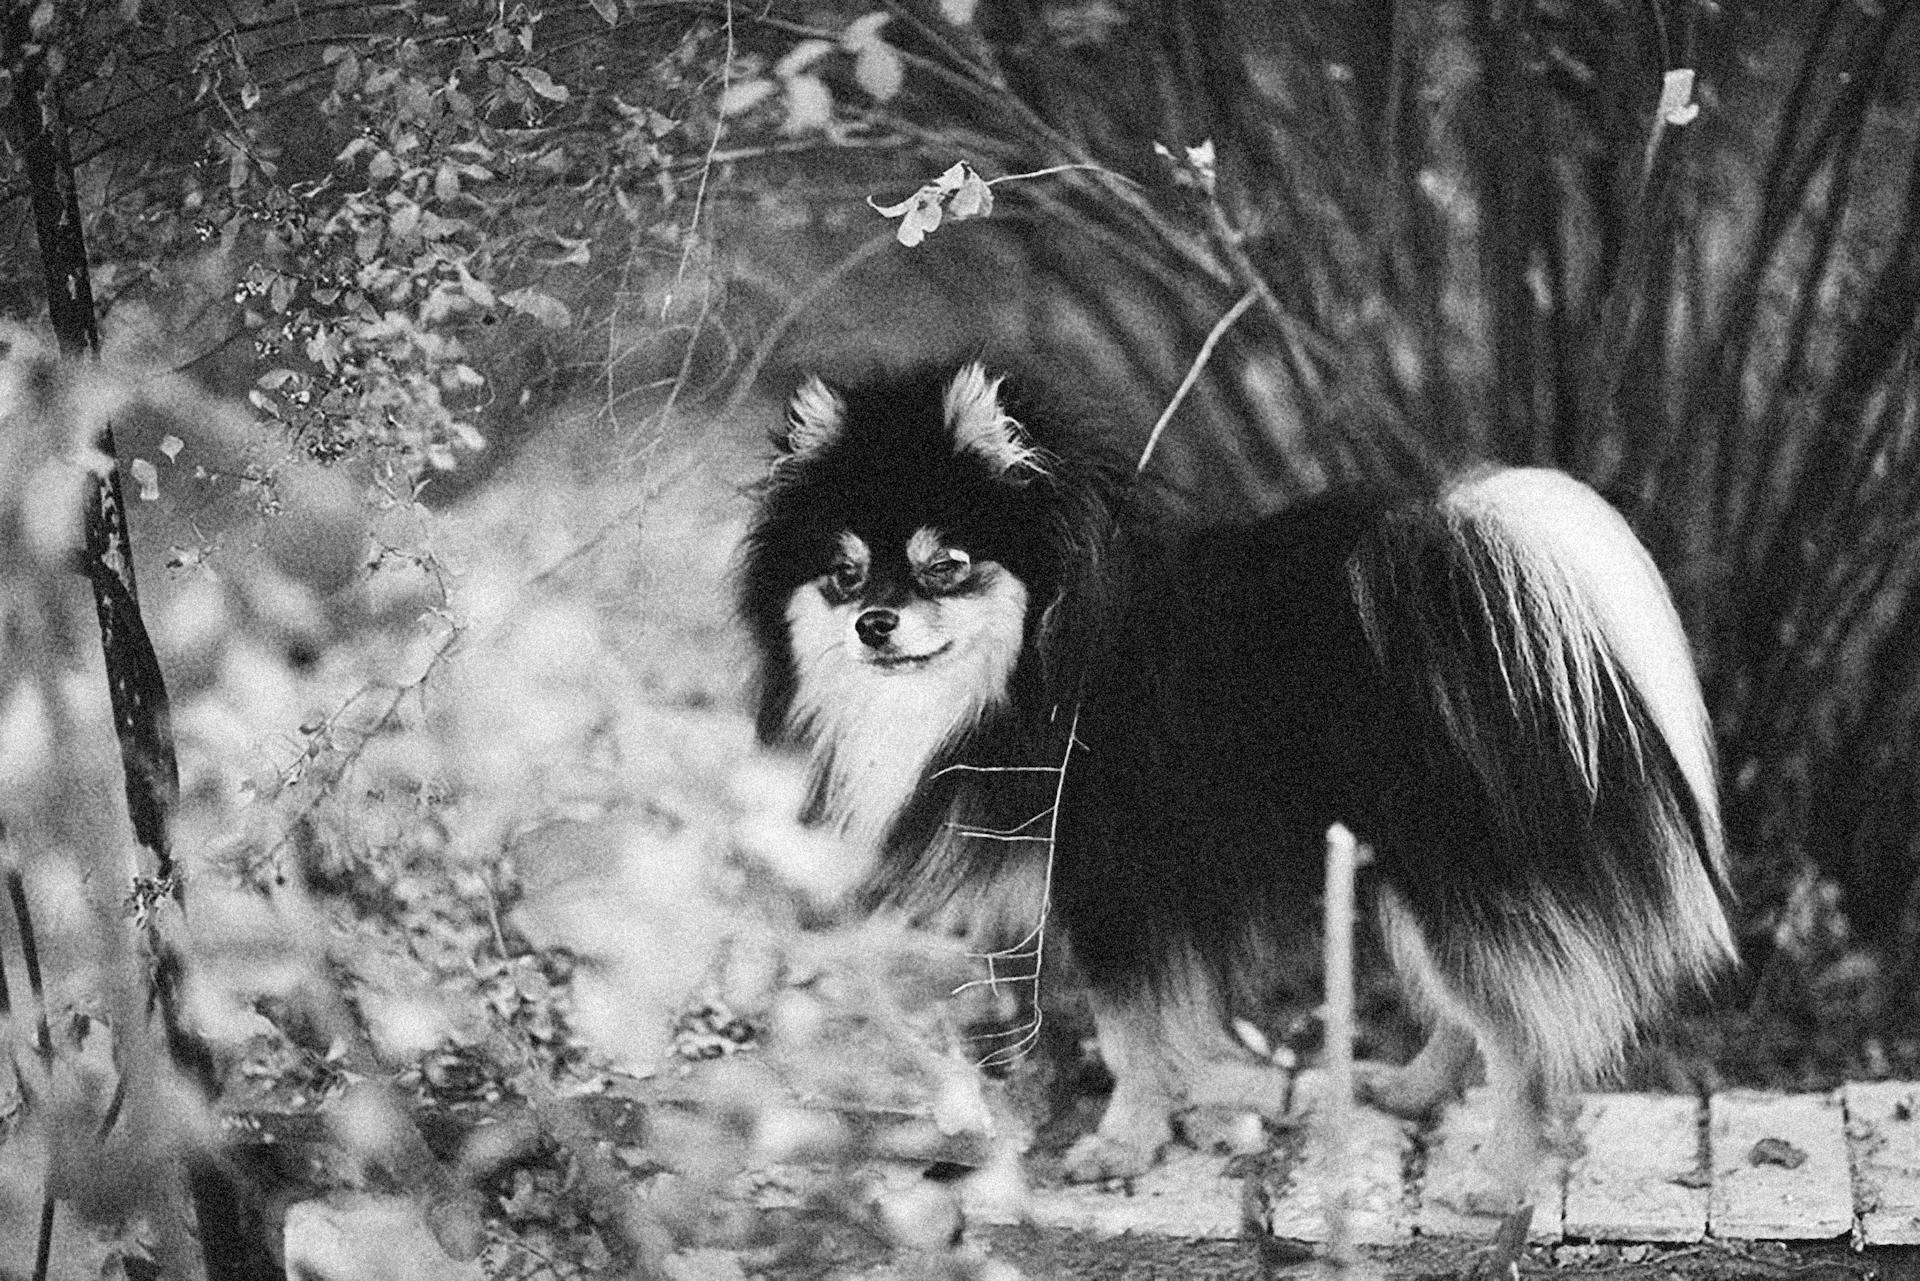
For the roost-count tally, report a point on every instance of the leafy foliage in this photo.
(474, 841)
(383, 184)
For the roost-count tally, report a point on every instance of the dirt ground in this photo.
(1044, 1255)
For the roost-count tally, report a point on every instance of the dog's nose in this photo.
(874, 626)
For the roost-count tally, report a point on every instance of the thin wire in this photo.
(1033, 947)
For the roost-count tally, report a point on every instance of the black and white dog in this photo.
(1488, 684)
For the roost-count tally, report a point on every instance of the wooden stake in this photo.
(1336, 1118)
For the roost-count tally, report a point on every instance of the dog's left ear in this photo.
(815, 417)
(981, 426)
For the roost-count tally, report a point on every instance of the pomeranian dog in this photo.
(1488, 685)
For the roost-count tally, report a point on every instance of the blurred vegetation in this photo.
(440, 338)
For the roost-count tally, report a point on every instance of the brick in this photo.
(1378, 1149)
(1458, 1194)
(1883, 1131)
(1638, 1177)
(1189, 1194)
(1779, 1167)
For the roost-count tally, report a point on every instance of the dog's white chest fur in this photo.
(875, 731)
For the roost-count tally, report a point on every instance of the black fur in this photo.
(1365, 657)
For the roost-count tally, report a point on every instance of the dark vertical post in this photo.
(234, 1239)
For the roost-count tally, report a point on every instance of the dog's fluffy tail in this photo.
(1531, 629)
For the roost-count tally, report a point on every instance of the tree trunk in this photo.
(235, 1240)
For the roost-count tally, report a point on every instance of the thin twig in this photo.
(1200, 359)
(832, 277)
(706, 167)
(351, 756)
(1050, 170)
(42, 1044)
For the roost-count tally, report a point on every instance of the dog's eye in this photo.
(948, 569)
(848, 577)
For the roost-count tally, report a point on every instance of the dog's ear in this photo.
(815, 418)
(981, 426)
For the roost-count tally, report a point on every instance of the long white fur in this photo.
(1567, 556)
(815, 417)
(982, 425)
(878, 729)
(1569, 999)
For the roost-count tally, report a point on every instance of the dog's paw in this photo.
(1233, 1133)
(1396, 1090)
(1098, 1157)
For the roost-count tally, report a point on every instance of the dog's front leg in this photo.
(1138, 1121)
(1166, 1055)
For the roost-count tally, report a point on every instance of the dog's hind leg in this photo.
(1435, 1075)
(1528, 1143)
(1167, 1051)
(1529, 1147)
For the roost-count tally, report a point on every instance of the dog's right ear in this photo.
(815, 418)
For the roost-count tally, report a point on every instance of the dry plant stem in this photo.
(1123, 191)
(1623, 309)
(1810, 144)
(1145, 244)
(43, 1041)
(13, 879)
(691, 235)
(1050, 170)
(43, 1240)
(30, 956)
(939, 38)
(982, 85)
(1141, 247)
(1213, 338)
(1307, 352)
(829, 279)
(664, 417)
(1336, 1117)
(1228, 239)
(397, 695)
